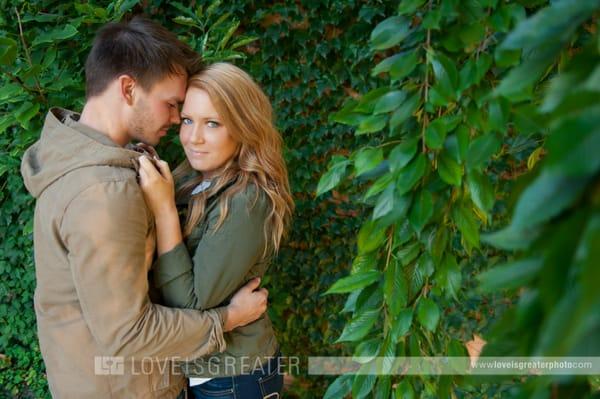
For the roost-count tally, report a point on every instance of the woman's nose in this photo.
(197, 136)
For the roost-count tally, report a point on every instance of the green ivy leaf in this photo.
(25, 112)
(385, 202)
(449, 276)
(405, 111)
(449, 170)
(446, 75)
(359, 326)
(404, 390)
(379, 185)
(384, 386)
(340, 388)
(389, 101)
(409, 6)
(482, 65)
(573, 145)
(462, 138)
(432, 19)
(9, 91)
(386, 64)
(498, 115)
(363, 385)
(422, 210)
(438, 244)
(554, 23)
(333, 176)
(509, 275)
(395, 289)
(411, 174)
(409, 253)
(367, 350)
(467, 224)
(390, 32)
(364, 263)
(482, 191)
(186, 21)
(428, 314)
(8, 51)
(401, 323)
(471, 34)
(435, 134)
(371, 124)
(367, 159)
(367, 102)
(65, 32)
(402, 154)
(512, 238)
(354, 282)
(545, 198)
(482, 149)
(404, 65)
(370, 237)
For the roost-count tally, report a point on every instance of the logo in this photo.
(109, 365)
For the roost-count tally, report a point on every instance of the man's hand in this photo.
(246, 305)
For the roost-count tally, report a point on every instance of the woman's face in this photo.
(205, 139)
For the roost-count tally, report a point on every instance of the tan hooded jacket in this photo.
(93, 239)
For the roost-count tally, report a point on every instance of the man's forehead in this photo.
(172, 87)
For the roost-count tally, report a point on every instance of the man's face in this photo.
(154, 111)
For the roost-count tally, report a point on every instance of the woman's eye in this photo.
(186, 121)
(213, 124)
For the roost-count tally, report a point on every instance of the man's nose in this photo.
(175, 117)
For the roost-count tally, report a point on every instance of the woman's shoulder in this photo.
(251, 198)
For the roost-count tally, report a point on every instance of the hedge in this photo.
(472, 137)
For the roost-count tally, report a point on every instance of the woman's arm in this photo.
(249, 302)
(159, 193)
(221, 260)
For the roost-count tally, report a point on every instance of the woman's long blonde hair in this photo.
(248, 116)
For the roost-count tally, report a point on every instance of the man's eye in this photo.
(213, 124)
(186, 121)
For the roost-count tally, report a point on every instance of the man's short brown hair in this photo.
(141, 48)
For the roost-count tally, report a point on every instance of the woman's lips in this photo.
(198, 153)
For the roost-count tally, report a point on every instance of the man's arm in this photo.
(105, 229)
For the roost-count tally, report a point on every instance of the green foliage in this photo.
(305, 56)
(468, 93)
(454, 110)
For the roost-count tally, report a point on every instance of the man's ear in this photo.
(127, 88)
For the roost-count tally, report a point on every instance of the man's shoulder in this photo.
(98, 181)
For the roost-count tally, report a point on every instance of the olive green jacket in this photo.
(93, 243)
(221, 262)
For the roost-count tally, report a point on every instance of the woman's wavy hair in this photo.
(247, 114)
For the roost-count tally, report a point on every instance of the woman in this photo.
(234, 183)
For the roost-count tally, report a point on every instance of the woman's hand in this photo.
(158, 186)
(159, 192)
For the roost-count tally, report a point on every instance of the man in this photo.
(93, 234)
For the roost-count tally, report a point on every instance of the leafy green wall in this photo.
(307, 56)
(475, 94)
(446, 99)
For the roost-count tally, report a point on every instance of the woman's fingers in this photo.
(143, 174)
(164, 169)
(148, 167)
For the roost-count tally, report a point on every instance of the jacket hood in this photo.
(62, 149)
